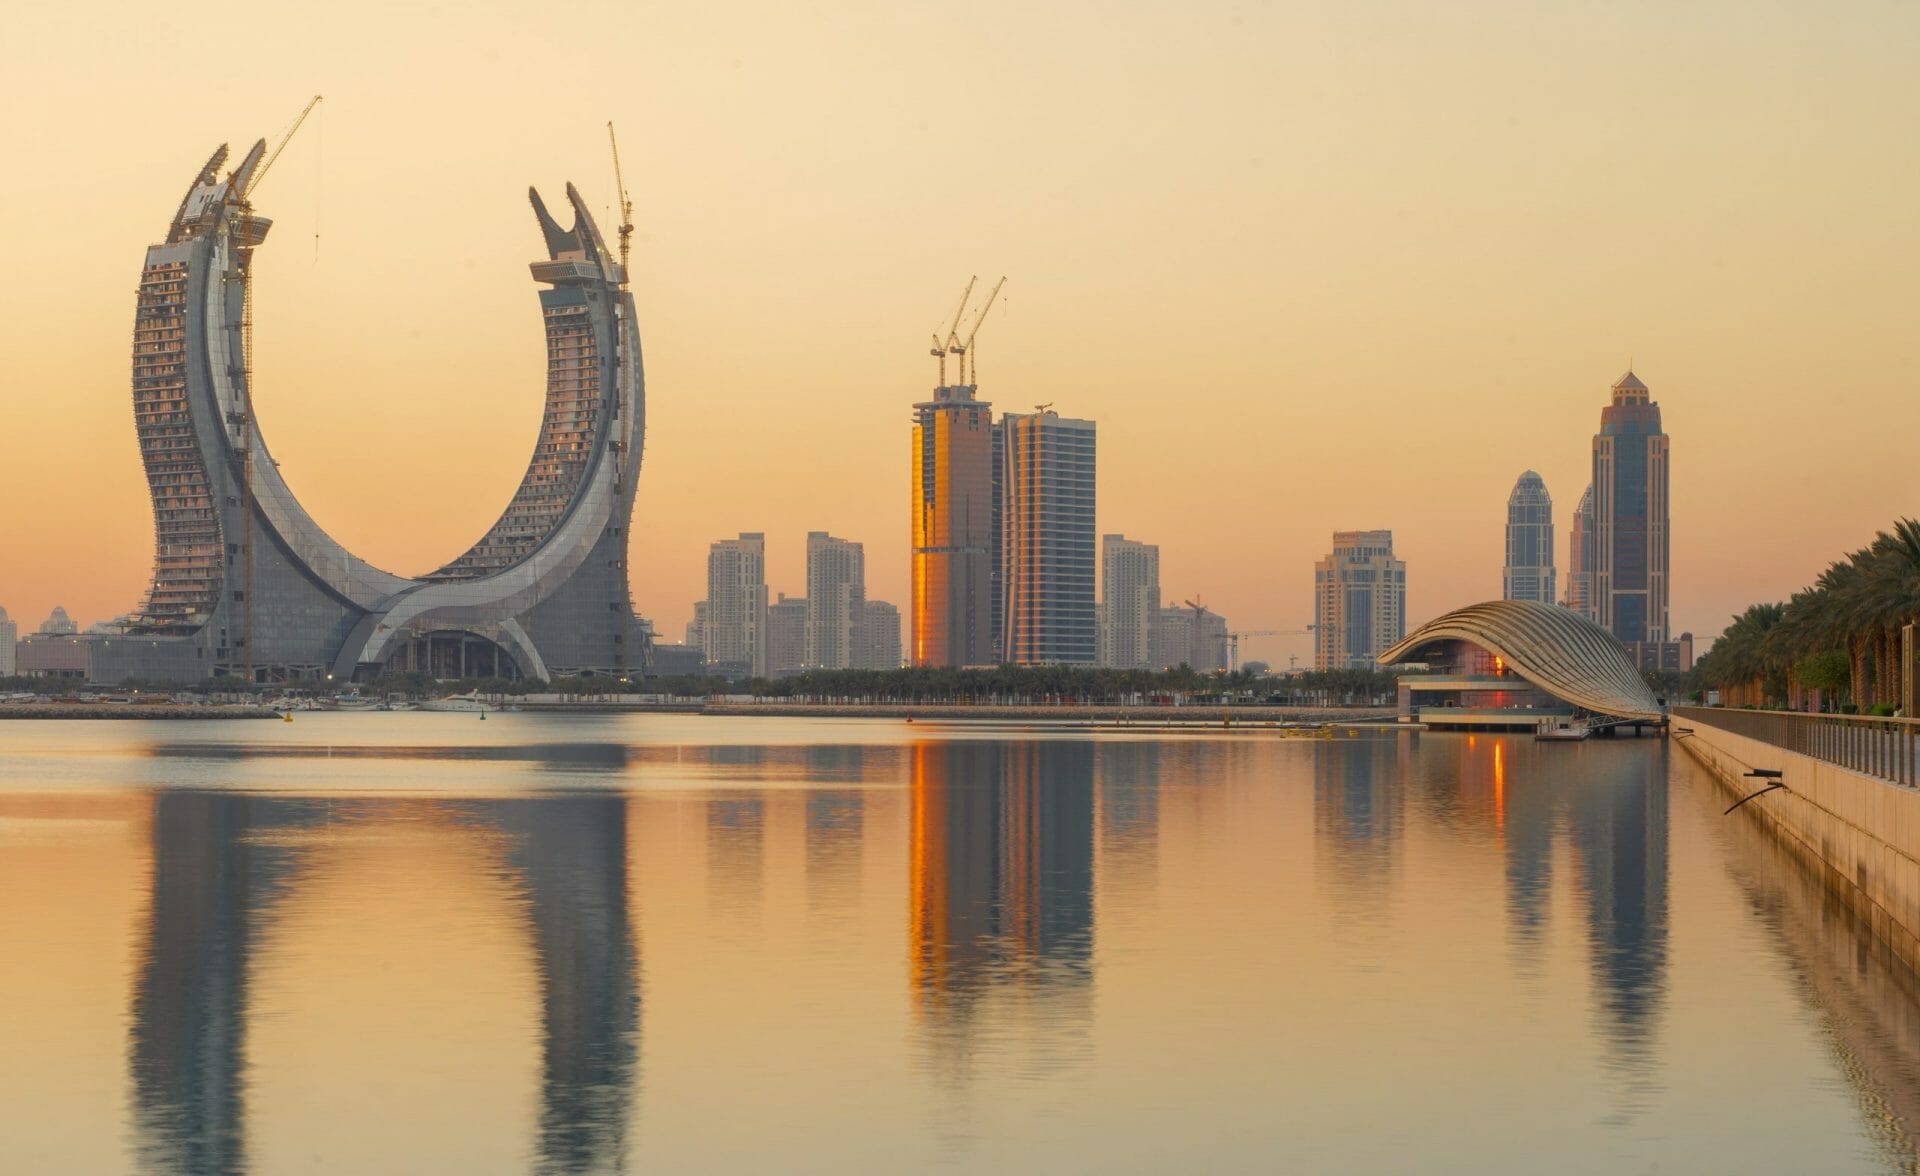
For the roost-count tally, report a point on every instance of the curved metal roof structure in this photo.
(1555, 648)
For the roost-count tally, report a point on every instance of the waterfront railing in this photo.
(1888, 749)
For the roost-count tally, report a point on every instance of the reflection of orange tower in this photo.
(1020, 863)
(927, 870)
(1001, 863)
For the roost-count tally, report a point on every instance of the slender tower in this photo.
(1630, 531)
(1580, 557)
(1529, 572)
(956, 552)
(1047, 550)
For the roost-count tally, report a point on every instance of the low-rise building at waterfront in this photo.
(53, 655)
(1517, 665)
(678, 661)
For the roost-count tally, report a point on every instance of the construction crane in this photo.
(969, 373)
(943, 345)
(626, 206)
(1233, 641)
(239, 194)
(621, 358)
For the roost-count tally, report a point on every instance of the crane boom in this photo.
(951, 344)
(966, 348)
(626, 205)
(260, 173)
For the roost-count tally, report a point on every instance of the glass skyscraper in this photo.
(1630, 525)
(1047, 549)
(1529, 572)
(954, 536)
(1580, 557)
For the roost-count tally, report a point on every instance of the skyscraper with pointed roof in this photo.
(1630, 521)
(1580, 556)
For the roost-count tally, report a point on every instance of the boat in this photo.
(459, 702)
(1562, 730)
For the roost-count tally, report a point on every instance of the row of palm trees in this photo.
(1842, 633)
(1043, 685)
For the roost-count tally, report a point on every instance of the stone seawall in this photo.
(1860, 836)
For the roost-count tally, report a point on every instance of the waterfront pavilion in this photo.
(1516, 665)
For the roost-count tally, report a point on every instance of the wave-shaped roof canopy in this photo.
(1555, 648)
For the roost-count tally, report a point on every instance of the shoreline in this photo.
(1154, 716)
(134, 710)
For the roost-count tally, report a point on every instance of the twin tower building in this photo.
(1617, 553)
(1003, 535)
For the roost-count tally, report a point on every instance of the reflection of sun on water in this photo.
(1499, 787)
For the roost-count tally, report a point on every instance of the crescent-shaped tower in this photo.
(246, 584)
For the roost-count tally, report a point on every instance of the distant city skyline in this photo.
(1334, 299)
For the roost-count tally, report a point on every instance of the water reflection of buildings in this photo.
(221, 862)
(1617, 822)
(190, 1003)
(1129, 778)
(1359, 798)
(1612, 804)
(572, 854)
(1001, 879)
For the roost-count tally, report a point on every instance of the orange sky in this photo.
(1311, 267)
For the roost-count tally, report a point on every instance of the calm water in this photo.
(423, 943)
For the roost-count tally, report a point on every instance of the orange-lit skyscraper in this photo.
(953, 530)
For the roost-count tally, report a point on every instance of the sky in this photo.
(1311, 267)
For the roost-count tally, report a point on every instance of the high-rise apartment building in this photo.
(1360, 601)
(1630, 524)
(877, 637)
(953, 533)
(1129, 602)
(58, 624)
(786, 637)
(1580, 557)
(836, 589)
(1528, 574)
(1185, 636)
(697, 627)
(736, 622)
(9, 633)
(1047, 549)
